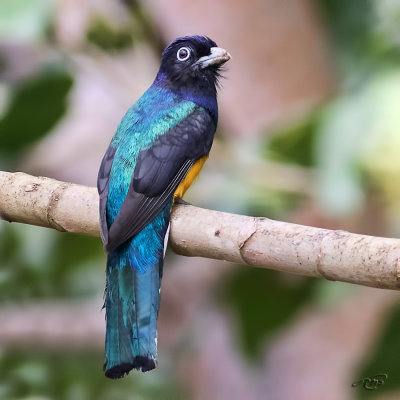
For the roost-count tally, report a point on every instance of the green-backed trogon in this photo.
(157, 151)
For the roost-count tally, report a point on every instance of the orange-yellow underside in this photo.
(190, 177)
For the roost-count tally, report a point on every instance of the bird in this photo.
(158, 149)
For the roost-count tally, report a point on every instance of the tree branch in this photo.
(304, 250)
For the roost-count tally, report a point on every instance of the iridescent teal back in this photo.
(134, 269)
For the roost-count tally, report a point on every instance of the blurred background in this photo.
(308, 133)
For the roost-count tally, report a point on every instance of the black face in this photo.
(180, 62)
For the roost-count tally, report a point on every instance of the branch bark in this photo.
(334, 255)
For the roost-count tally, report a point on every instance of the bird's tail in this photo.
(132, 301)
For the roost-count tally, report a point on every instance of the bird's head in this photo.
(192, 61)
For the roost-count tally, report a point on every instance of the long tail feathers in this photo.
(132, 302)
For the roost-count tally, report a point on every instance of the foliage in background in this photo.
(77, 375)
(351, 142)
(41, 263)
(294, 144)
(383, 358)
(36, 105)
(264, 302)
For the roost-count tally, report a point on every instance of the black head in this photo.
(192, 62)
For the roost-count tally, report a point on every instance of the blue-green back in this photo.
(157, 111)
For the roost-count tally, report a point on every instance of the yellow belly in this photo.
(190, 177)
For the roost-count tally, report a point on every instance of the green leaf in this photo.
(294, 144)
(337, 149)
(349, 23)
(35, 107)
(383, 358)
(263, 301)
(24, 20)
(106, 37)
(42, 263)
(75, 374)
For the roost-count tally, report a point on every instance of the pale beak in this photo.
(217, 56)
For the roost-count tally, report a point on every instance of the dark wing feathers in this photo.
(153, 166)
(158, 172)
(102, 187)
(138, 210)
(191, 139)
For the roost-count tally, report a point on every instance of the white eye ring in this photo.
(185, 53)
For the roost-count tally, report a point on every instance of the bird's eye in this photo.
(183, 54)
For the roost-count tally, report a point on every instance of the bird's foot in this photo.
(179, 200)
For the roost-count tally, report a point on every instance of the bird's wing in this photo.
(158, 172)
(103, 180)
